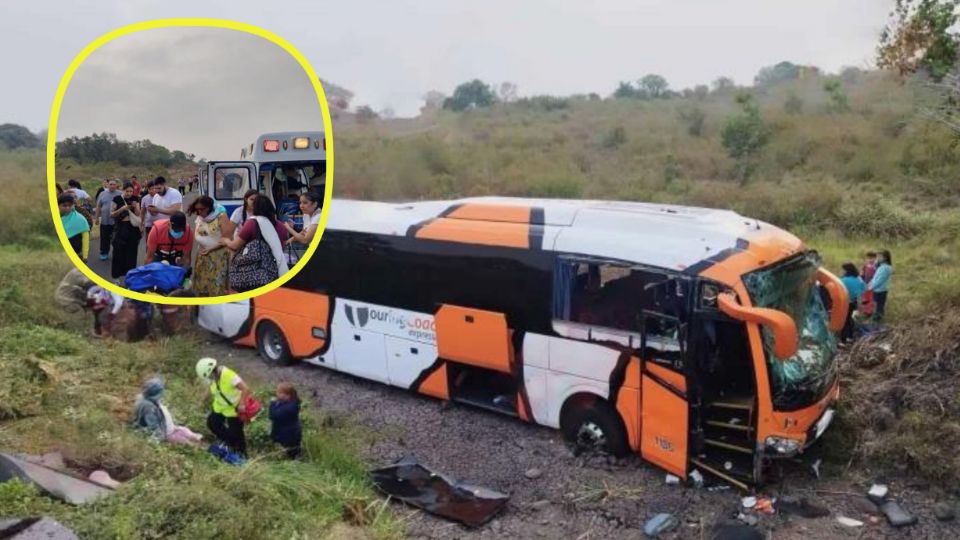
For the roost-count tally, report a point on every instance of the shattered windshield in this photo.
(791, 287)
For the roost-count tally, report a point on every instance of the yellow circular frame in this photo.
(185, 22)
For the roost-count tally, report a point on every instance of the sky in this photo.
(206, 91)
(391, 52)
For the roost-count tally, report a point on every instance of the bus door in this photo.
(202, 175)
(226, 182)
(664, 403)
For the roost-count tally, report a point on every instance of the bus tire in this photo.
(595, 426)
(272, 345)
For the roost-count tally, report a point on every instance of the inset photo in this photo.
(190, 162)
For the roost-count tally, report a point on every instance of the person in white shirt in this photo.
(166, 202)
(310, 207)
(242, 213)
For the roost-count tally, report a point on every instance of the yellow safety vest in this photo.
(220, 405)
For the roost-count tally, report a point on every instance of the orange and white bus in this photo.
(698, 338)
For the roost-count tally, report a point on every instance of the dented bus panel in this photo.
(696, 338)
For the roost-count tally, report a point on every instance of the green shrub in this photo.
(879, 218)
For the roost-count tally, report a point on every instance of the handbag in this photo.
(135, 220)
(254, 266)
(251, 406)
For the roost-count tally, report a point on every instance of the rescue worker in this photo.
(229, 393)
(170, 240)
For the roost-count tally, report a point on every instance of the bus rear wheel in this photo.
(595, 427)
(272, 345)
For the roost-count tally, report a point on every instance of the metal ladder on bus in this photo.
(729, 446)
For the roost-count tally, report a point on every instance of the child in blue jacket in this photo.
(285, 428)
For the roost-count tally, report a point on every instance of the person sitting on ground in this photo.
(150, 414)
(76, 227)
(285, 428)
(855, 289)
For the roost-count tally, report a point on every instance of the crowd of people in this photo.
(232, 406)
(867, 288)
(243, 251)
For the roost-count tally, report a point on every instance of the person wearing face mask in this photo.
(170, 240)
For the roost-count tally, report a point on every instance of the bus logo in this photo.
(363, 315)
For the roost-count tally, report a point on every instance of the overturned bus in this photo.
(697, 338)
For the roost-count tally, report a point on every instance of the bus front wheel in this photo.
(272, 345)
(595, 427)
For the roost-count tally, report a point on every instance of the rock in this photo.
(533, 474)
(496, 527)
(749, 519)
(849, 522)
(103, 478)
(944, 511)
(539, 505)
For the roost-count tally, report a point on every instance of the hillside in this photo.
(871, 175)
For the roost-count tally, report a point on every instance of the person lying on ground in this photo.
(151, 415)
(285, 428)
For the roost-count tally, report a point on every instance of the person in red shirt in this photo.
(137, 188)
(170, 240)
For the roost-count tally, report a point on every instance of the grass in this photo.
(62, 391)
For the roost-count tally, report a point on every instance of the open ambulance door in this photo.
(227, 181)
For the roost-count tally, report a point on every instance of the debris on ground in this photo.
(226, 455)
(944, 511)
(34, 528)
(748, 502)
(878, 493)
(104, 479)
(58, 483)
(865, 506)
(415, 484)
(899, 397)
(849, 522)
(658, 524)
(671, 480)
(736, 532)
(533, 474)
(748, 519)
(800, 507)
(696, 479)
(896, 515)
(765, 505)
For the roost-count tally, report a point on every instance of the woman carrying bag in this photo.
(126, 236)
(258, 248)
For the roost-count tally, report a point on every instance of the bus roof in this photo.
(666, 236)
(316, 148)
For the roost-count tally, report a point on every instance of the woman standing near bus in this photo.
(880, 284)
(126, 233)
(210, 271)
(242, 213)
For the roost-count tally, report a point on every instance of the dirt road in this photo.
(571, 497)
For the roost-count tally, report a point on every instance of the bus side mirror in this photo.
(839, 299)
(784, 330)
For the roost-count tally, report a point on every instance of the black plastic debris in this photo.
(800, 507)
(55, 482)
(34, 528)
(896, 515)
(417, 485)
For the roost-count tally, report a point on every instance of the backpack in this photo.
(254, 266)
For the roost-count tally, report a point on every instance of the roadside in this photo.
(555, 494)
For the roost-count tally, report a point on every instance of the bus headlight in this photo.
(782, 445)
(299, 143)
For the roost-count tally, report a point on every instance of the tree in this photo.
(777, 73)
(387, 113)
(366, 114)
(16, 136)
(338, 97)
(723, 84)
(625, 90)
(744, 135)
(470, 95)
(921, 35)
(508, 92)
(837, 95)
(653, 85)
(701, 91)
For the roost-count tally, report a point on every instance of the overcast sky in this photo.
(208, 91)
(390, 52)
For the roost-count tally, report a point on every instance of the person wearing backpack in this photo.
(258, 248)
(230, 398)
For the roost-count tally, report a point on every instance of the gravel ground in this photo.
(571, 497)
